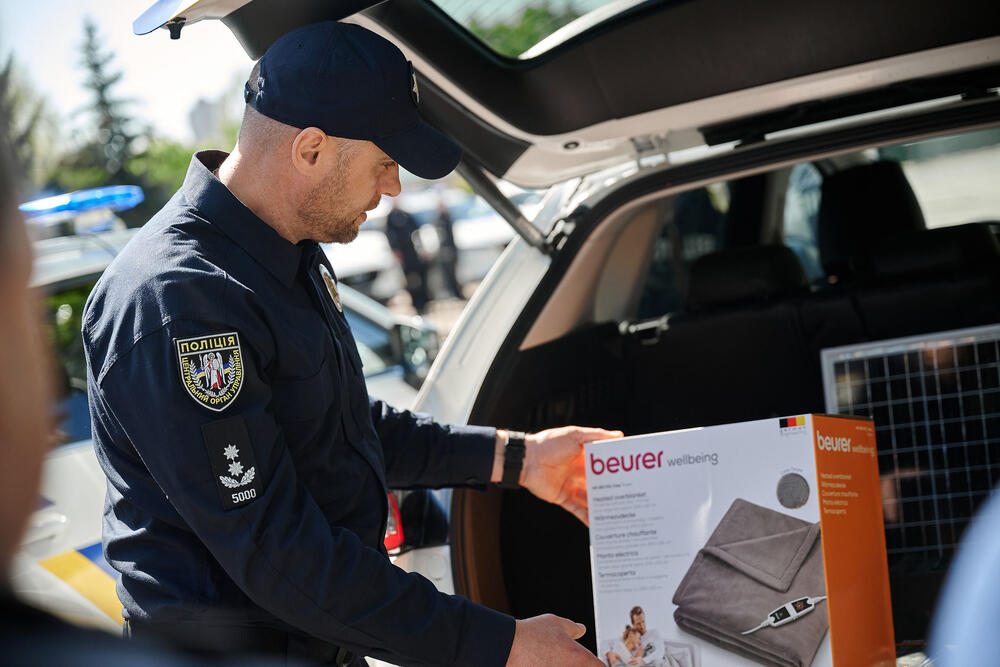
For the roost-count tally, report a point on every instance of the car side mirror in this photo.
(418, 347)
(424, 521)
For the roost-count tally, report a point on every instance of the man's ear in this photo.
(308, 147)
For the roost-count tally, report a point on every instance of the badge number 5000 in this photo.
(244, 495)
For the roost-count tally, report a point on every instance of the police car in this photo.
(737, 193)
(88, 211)
(61, 566)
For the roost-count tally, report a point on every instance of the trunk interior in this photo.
(745, 345)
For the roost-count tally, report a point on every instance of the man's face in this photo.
(334, 211)
(24, 389)
(639, 622)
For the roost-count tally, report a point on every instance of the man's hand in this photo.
(549, 641)
(554, 467)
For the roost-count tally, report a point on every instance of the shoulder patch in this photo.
(232, 459)
(211, 368)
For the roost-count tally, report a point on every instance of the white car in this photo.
(733, 189)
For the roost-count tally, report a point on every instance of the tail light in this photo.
(394, 527)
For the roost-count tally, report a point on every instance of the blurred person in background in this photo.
(400, 229)
(447, 252)
(969, 605)
(29, 636)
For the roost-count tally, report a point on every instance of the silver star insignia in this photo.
(235, 468)
(231, 452)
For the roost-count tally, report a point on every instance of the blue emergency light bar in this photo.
(112, 197)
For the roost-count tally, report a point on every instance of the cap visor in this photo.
(422, 151)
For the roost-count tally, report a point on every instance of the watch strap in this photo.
(513, 460)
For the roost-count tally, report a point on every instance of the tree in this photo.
(21, 112)
(534, 24)
(112, 146)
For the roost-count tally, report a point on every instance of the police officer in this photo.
(247, 467)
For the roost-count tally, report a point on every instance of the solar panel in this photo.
(935, 400)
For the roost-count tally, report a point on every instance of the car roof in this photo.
(64, 262)
(595, 97)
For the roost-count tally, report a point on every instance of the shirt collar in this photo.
(220, 207)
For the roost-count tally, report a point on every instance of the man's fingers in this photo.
(571, 628)
(589, 433)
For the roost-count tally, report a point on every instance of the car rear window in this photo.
(518, 28)
(953, 178)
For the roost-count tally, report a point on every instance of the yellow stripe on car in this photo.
(88, 579)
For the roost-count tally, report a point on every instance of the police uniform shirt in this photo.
(247, 466)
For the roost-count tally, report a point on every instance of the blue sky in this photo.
(164, 77)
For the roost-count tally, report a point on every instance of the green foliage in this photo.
(64, 315)
(111, 147)
(164, 164)
(21, 112)
(534, 24)
(116, 154)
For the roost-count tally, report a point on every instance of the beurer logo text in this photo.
(646, 461)
(833, 444)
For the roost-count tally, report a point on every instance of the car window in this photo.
(801, 215)
(954, 178)
(693, 226)
(374, 343)
(63, 313)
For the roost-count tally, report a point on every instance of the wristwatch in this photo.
(513, 460)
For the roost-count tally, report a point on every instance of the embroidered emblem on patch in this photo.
(211, 368)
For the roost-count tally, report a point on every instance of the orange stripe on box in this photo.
(857, 572)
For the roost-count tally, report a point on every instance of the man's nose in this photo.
(390, 183)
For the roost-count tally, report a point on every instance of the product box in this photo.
(741, 544)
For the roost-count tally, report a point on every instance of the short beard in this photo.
(321, 212)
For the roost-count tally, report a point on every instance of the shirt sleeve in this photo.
(419, 452)
(278, 546)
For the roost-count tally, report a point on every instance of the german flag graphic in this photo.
(787, 422)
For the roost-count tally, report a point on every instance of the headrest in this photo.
(859, 205)
(745, 275)
(945, 251)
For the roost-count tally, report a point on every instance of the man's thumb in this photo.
(571, 628)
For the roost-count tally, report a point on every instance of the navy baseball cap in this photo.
(350, 83)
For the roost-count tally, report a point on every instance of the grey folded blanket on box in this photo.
(756, 561)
